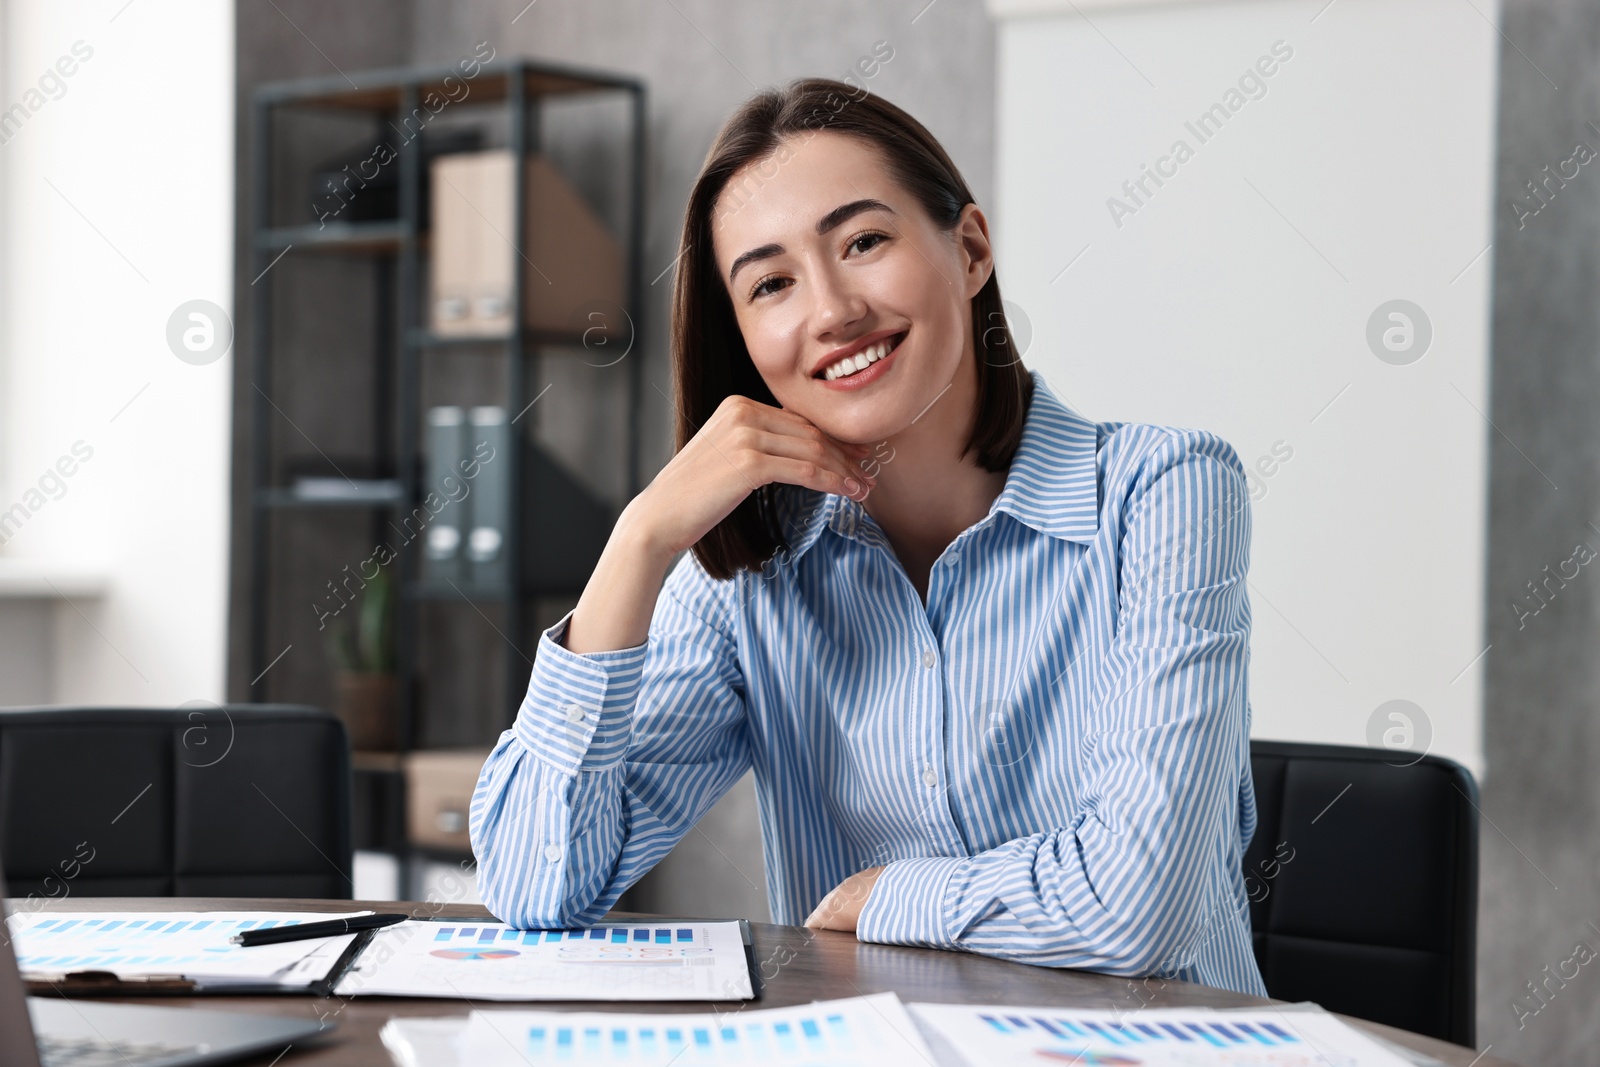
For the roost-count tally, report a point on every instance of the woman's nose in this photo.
(836, 304)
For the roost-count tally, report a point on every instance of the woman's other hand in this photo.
(841, 908)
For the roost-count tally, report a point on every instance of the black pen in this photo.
(273, 935)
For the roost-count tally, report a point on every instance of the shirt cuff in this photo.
(907, 903)
(578, 713)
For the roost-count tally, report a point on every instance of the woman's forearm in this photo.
(619, 600)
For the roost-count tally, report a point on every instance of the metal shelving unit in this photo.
(403, 344)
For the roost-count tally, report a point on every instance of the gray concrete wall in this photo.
(1541, 792)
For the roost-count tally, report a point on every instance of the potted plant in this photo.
(364, 677)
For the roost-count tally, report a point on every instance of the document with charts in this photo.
(1153, 1037)
(872, 1031)
(614, 961)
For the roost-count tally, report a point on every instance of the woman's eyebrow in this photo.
(836, 217)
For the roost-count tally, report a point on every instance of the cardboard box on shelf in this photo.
(573, 266)
(439, 785)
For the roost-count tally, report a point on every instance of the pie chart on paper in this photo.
(475, 953)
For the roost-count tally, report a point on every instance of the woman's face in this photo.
(829, 257)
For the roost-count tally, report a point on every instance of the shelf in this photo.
(553, 338)
(367, 493)
(43, 578)
(382, 90)
(384, 236)
(403, 359)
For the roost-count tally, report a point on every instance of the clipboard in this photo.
(756, 989)
(109, 984)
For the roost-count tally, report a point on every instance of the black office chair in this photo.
(237, 800)
(1363, 877)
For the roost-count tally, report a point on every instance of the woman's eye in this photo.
(875, 238)
(762, 287)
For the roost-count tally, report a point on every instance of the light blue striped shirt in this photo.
(1051, 756)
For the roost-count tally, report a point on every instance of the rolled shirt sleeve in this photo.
(578, 711)
(614, 755)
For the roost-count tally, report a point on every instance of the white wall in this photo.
(118, 208)
(1237, 297)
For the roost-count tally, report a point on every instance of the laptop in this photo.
(52, 1032)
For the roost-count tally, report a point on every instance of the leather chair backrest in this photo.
(238, 800)
(1363, 879)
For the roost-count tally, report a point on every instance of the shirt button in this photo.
(575, 712)
(929, 658)
(952, 559)
(929, 775)
(552, 853)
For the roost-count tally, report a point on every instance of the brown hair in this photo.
(709, 356)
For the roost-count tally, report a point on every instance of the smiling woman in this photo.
(993, 691)
(878, 231)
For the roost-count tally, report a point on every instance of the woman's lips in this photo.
(872, 372)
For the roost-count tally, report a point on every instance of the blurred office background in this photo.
(1424, 505)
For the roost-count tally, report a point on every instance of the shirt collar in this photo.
(1052, 486)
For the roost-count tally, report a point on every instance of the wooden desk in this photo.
(796, 965)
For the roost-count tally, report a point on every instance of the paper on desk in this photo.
(1153, 1037)
(493, 961)
(424, 1042)
(1410, 1055)
(872, 1031)
(193, 944)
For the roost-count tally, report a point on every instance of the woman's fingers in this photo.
(821, 451)
(811, 475)
(852, 455)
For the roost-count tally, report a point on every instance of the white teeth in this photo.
(860, 361)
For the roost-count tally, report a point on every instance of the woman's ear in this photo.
(972, 241)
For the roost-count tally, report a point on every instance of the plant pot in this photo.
(367, 708)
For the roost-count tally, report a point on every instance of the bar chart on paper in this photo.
(493, 961)
(1153, 1037)
(859, 1032)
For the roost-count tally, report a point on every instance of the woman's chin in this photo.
(865, 432)
(879, 421)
